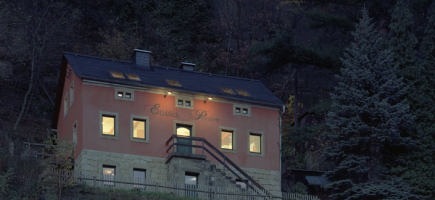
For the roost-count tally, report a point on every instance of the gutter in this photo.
(280, 136)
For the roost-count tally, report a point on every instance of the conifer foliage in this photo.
(418, 167)
(368, 120)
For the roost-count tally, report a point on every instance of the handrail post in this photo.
(202, 146)
(224, 162)
(173, 143)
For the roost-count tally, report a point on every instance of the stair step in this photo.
(228, 177)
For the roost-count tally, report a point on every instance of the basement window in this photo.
(117, 75)
(109, 175)
(133, 77)
(243, 93)
(173, 83)
(227, 90)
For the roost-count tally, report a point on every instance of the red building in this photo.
(120, 115)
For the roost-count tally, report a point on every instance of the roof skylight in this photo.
(228, 90)
(133, 77)
(117, 75)
(173, 83)
(243, 93)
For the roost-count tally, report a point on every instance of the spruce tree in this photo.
(368, 120)
(418, 168)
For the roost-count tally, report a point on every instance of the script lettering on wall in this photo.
(201, 115)
(155, 110)
(193, 114)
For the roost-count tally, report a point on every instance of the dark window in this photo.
(139, 176)
(120, 94)
(245, 111)
(180, 102)
(187, 103)
(237, 110)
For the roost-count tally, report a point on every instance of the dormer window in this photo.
(227, 90)
(243, 93)
(117, 75)
(173, 83)
(133, 77)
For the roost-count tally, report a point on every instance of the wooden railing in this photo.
(225, 161)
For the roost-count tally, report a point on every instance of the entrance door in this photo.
(185, 131)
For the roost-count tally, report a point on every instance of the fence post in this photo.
(270, 196)
(202, 146)
(95, 181)
(157, 186)
(214, 193)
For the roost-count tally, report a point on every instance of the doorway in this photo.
(185, 131)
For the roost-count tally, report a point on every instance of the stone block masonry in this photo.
(91, 161)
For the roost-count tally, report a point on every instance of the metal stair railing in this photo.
(224, 162)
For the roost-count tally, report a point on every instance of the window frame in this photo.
(242, 106)
(109, 184)
(111, 73)
(184, 98)
(144, 181)
(175, 85)
(65, 105)
(223, 90)
(147, 128)
(124, 91)
(262, 143)
(109, 114)
(71, 94)
(129, 76)
(240, 91)
(228, 129)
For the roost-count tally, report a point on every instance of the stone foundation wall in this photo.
(91, 161)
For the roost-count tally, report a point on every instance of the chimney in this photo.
(141, 59)
(186, 66)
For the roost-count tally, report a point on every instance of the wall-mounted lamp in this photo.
(167, 93)
(210, 98)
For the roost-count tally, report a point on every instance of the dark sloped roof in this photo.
(96, 68)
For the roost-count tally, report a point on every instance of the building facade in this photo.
(121, 114)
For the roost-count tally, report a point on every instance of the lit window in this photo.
(109, 175)
(133, 77)
(173, 83)
(243, 93)
(180, 102)
(120, 94)
(187, 103)
(128, 95)
(227, 140)
(228, 90)
(108, 125)
(139, 176)
(255, 143)
(237, 110)
(245, 111)
(139, 129)
(117, 75)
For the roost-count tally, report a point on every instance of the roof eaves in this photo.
(183, 90)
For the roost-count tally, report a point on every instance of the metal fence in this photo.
(170, 187)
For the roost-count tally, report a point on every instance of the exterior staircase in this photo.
(208, 174)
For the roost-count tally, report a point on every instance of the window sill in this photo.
(139, 140)
(228, 150)
(256, 154)
(113, 137)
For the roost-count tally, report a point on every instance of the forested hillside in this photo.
(313, 54)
